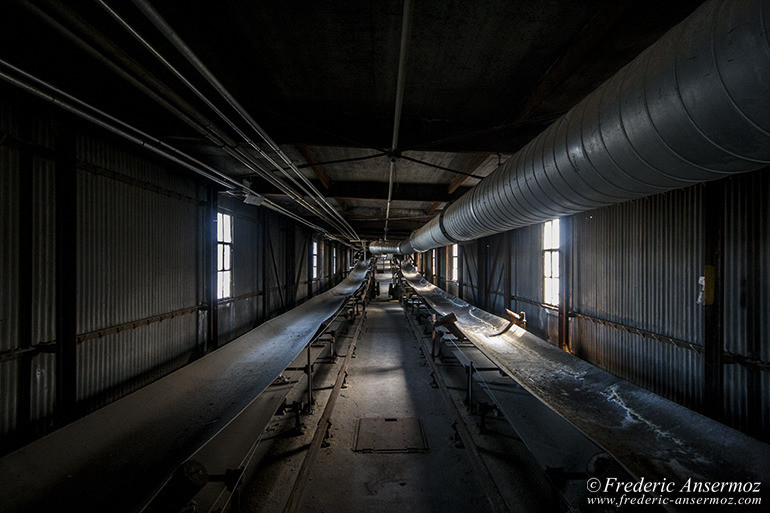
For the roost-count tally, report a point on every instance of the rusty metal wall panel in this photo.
(527, 281)
(469, 269)
(747, 299)
(638, 264)
(495, 248)
(136, 259)
(245, 255)
(276, 262)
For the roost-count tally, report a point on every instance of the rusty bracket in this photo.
(448, 321)
(519, 319)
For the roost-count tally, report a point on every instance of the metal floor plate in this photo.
(390, 435)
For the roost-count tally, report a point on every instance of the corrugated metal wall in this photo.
(747, 283)
(43, 283)
(276, 266)
(469, 271)
(9, 276)
(140, 257)
(637, 264)
(136, 259)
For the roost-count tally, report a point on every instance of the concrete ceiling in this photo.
(482, 79)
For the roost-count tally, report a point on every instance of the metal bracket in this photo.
(519, 319)
(448, 321)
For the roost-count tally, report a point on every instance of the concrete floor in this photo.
(390, 378)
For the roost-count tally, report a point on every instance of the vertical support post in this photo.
(309, 378)
(470, 386)
(291, 264)
(25, 268)
(328, 265)
(66, 276)
(482, 274)
(460, 271)
(565, 267)
(565, 264)
(713, 308)
(265, 284)
(310, 265)
(210, 247)
(507, 273)
(753, 293)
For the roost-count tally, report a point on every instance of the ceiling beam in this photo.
(472, 165)
(588, 37)
(320, 172)
(604, 19)
(435, 206)
(342, 204)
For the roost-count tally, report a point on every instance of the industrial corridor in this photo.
(348, 256)
(422, 467)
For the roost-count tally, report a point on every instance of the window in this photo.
(433, 269)
(551, 262)
(224, 255)
(334, 260)
(455, 262)
(314, 260)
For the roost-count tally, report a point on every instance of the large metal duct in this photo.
(384, 247)
(693, 107)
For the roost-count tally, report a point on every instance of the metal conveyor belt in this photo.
(650, 436)
(116, 458)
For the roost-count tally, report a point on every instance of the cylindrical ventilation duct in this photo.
(693, 107)
(384, 247)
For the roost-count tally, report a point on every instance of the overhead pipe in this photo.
(73, 105)
(236, 152)
(185, 112)
(384, 247)
(406, 23)
(693, 107)
(165, 29)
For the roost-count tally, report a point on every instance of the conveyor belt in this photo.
(117, 457)
(650, 436)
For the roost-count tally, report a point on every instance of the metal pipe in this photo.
(193, 59)
(400, 83)
(116, 126)
(122, 57)
(234, 152)
(185, 112)
(384, 247)
(693, 107)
